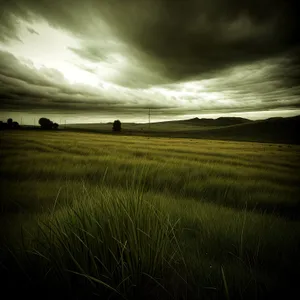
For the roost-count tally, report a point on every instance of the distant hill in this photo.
(222, 121)
(276, 130)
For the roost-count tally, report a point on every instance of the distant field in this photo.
(276, 130)
(89, 215)
(132, 127)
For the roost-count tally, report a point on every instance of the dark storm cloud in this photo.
(195, 37)
(9, 14)
(189, 37)
(271, 75)
(164, 41)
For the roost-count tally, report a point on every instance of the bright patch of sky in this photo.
(49, 47)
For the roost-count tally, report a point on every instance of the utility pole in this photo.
(21, 120)
(149, 115)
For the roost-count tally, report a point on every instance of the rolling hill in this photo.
(276, 130)
(273, 130)
(222, 121)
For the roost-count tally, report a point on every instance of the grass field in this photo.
(274, 130)
(86, 215)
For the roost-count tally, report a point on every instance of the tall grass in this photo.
(91, 216)
(110, 242)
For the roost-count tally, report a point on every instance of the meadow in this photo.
(273, 130)
(98, 216)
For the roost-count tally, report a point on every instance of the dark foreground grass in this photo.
(88, 216)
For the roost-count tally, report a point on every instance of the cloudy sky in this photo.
(97, 60)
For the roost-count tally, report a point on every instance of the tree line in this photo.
(10, 124)
(47, 124)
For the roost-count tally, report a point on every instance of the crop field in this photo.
(98, 216)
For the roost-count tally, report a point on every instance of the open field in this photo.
(274, 130)
(87, 216)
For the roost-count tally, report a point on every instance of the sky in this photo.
(99, 60)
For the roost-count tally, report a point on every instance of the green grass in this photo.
(100, 216)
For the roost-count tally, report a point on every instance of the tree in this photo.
(10, 123)
(55, 125)
(45, 123)
(117, 125)
(15, 125)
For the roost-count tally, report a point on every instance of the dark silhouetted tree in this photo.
(117, 125)
(55, 125)
(10, 123)
(45, 123)
(15, 125)
(3, 125)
